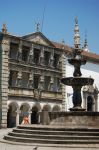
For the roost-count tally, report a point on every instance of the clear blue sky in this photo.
(21, 15)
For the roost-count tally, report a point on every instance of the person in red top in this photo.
(25, 120)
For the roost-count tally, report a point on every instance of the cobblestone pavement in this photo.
(12, 146)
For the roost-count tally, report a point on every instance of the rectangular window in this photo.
(47, 82)
(13, 51)
(25, 53)
(56, 85)
(36, 56)
(13, 78)
(46, 58)
(56, 59)
(25, 79)
(36, 81)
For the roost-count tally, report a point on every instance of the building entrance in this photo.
(11, 117)
(34, 115)
(89, 103)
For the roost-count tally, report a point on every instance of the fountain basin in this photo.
(77, 61)
(78, 119)
(74, 81)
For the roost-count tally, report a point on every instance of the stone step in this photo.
(53, 128)
(50, 132)
(53, 135)
(61, 137)
(51, 141)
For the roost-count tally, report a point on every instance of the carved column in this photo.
(20, 51)
(31, 54)
(30, 85)
(39, 117)
(17, 116)
(42, 57)
(19, 78)
(51, 84)
(52, 58)
(41, 83)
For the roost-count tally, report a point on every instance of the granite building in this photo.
(31, 69)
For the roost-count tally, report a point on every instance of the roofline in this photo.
(66, 48)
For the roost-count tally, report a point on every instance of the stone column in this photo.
(41, 83)
(31, 54)
(39, 117)
(17, 116)
(52, 58)
(20, 51)
(42, 56)
(51, 83)
(30, 85)
(45, 120)
(19, 78)
(4, 70)
(29, 116)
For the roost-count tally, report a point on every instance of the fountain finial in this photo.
(76, 34)
(76, 20)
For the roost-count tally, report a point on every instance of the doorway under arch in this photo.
(34, 115)
(11, 115)
(89, 103)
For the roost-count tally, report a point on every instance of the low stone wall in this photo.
(74, 119)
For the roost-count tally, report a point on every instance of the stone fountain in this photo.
(77, 81)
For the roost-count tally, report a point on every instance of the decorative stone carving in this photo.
(52, 58)
(41, 83)
(4, 28)
(42, 56)
(51, 83)
(19, 78)
(31, 54)
(30, 81)
(20, 51)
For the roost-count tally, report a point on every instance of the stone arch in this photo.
(90, 103)
(11, 114)
(56, 108)
(24, 111)
(47, 108)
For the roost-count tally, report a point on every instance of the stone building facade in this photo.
(31, 69)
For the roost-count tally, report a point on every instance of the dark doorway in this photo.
(34, 116)
(11, 119)
(89, 103)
